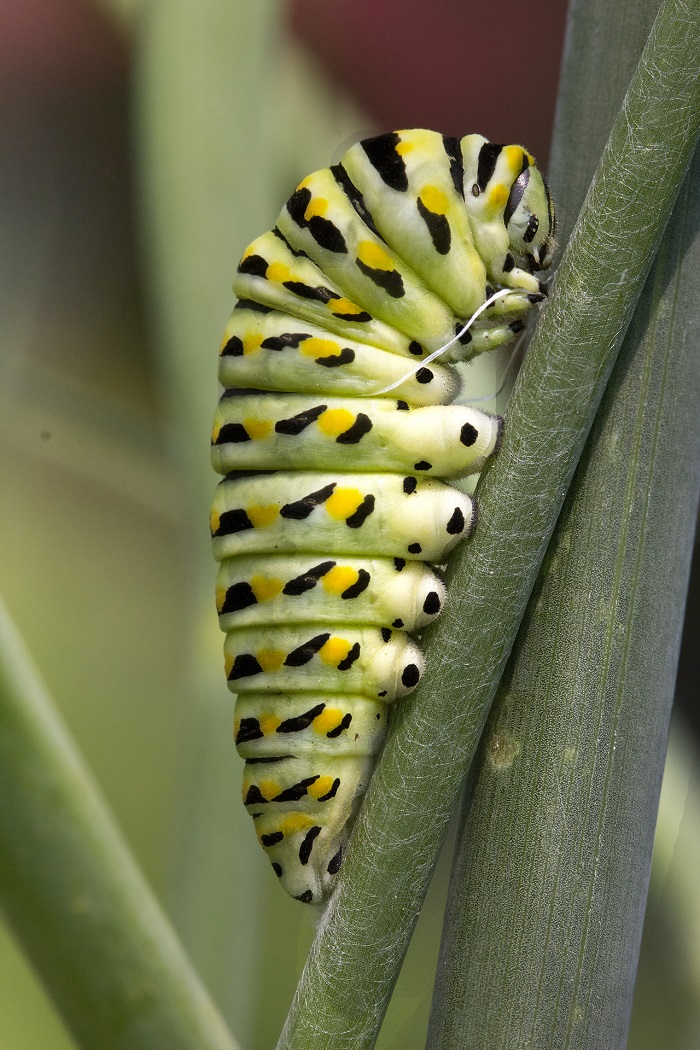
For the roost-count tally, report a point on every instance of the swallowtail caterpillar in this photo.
(339, 449)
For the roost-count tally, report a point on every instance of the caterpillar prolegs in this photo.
(339, 448)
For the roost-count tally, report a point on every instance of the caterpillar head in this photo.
(529, 220)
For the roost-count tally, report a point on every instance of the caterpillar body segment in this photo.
(384, 515)
(302, 433)
(282, 589)
(342, 453)
(271, 350)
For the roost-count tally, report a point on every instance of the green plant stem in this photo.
(362, 938)
(73, 895)
(542, 933)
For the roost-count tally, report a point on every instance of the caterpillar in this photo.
(340, 453)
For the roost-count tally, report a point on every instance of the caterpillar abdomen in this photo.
(340, 449)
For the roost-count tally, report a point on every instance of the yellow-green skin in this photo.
(334, 501)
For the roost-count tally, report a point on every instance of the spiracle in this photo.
(338, 447)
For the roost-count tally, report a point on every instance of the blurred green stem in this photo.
(73, 895)
(354, 961)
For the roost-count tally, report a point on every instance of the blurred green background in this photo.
(143, 146)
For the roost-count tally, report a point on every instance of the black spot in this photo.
(331, 793)
(238, 596)
(363, 316)
(422, 464)
(410, 485)
(254, 796)
(468, 435)
(341, 727)
(308, 579)
(410, 676)
(299, 253)
(464, 338)
(232, 433)
(324, 232)
(306, 897)
(335, 862)
(272, 839)
(431, 605)
(249, 729)
(383, 156)
(516, 193)
(438, 228)
(453, 149)
(488, 155)
(296, 791)
(415, 348)
(358, 518)
(399, 564)
(255, 265)
(516, 326)
(544, 291)
(456, 523)
(398, 623)
(355, 433)
(266, 761)
(233, 521)
(414, 548)
(535, 297)
(345, 357)
(386, 634)
(300, 509)
(389, 280)
(233, 348)
(248, 304)
(300, 722)
(354, 196)
(508, 263)
(382, 693)
(287, 339)
(305, 848)
(361, 584)
(533, 225)
(277, 868)
(244, 666)
(306, 652)
(346, 663)
(424, 375)
(402, 406)
(297, 424)
(318, 293)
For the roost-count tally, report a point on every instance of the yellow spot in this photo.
(319, 348)
(268, 724)
(372, 254)
(265, 588)
(220, 598)
(498, 196)
(320, 787)
(403, 147)
(334, 651)
(339, 579)
(330, 718)
(261, 517)
(316, 206)
(335, 421)
(270, 659)
(228, 664)
(269, 788)
(344, 306)
(343, 503)
(514, 156)
(295, 822)
(251, 342)
(250, 250)
(278, 271)
(216, 430)
(214, 521)
(434, 199)
(258, 428)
